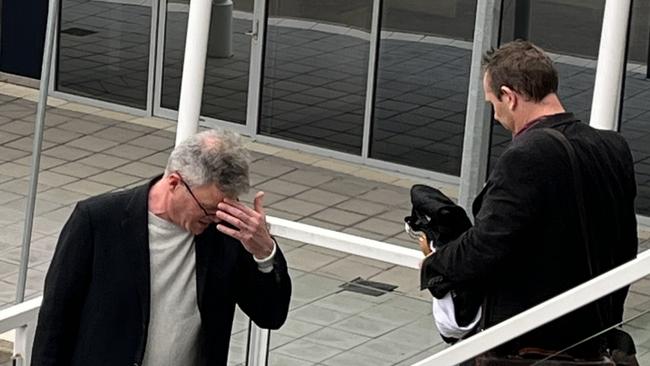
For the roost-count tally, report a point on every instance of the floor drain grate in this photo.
(79, 32)
(366, 287)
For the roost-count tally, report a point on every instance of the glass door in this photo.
(225, 91)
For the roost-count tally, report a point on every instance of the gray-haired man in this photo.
(151, 275)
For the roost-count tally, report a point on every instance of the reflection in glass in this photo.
(574, 57)
(423, 75)
(225, 90)
(635, 118)
(315, 72)
(104, 51)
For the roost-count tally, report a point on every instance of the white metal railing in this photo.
(494, 336)
(22, 318)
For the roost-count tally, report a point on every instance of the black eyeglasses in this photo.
(192, 194)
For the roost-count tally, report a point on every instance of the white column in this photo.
(196, 47)
(221, 29)
(476, 143)
(611, 65)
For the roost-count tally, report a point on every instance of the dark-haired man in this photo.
(526, 244)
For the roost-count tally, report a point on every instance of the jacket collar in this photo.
(550, 121)
(134, 226)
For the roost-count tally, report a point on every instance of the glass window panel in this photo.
(225, 90)
(423, 75)
(315, 72)
(104, 51)
(574, 56)
(635, 119)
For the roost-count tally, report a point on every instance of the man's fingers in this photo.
(258, 202)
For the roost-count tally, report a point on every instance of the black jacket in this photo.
(526, 247)
(95, 307)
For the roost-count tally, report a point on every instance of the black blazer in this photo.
(526, 244)
(95, 307)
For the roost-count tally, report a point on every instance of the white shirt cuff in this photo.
(265, 265)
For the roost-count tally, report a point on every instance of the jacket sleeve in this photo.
(264, 297)
(65, 291)
(505, 220)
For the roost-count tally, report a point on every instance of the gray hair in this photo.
(212, 157)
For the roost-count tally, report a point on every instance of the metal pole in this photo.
(373, 59)
(220, 36)
(611, 66)
(258, 345)
(476, 143)
(196, 47)
(52, 16)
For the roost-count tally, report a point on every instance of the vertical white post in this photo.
(373, 59)
(611, 65)
(24, 342)
(220, 44)
(476, 143)
(258, 345)
(196, 47)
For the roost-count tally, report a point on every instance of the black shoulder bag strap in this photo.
(580, 201)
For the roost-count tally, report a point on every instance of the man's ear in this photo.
(511, 97)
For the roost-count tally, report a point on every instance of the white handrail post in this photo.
(196, 48)
(24, 342)
(610, 70)
(258, 345)
(476, 142)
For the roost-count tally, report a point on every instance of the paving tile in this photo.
(7, 268)
(308, 260)
(282, 187)
(319, 196)
(347, 270)
(321, 224)
(318, 315)
(157, 159)
(386, 349)
(405, 278)
(76, 169)
(18, 127)
(364, 326)
(7, 154)
(63, 196)
(6, 196)
(278, 359)
(364, 234)
(387, 197)
(7, 292)
(14, 170)
(297, 328)
(21, 186)
(129, 152)
(45, 163)
(356, 359)
(9, 215)
(66, 153)
(46, 243)
(89, 188)
(48, 226)
(270, 211)
(92, 143)
(336, 338)
(308, 178)
(41, 207)
(54, 179)
(81, 126)
(380, 226)
(153, 142)
(26, 144)
(363, 207)
(57, 135)
(103, 161)
(115, 178)
(309, 287)
(118, 134)
(308, 351)
(337, 216)
(345, 187)
(36, 256)
(297, 207)
(141, 170)
(270, 169)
